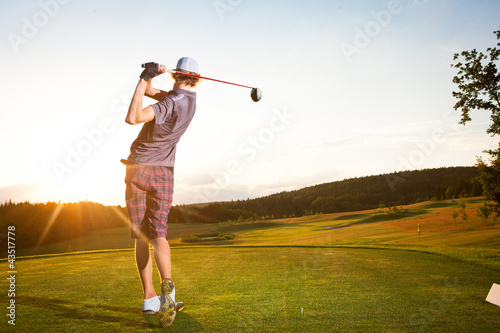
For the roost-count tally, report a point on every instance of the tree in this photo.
(484, 212)
(489, 178)
(478, 82)
(478, 85)
(448, 194)
(463, 211)
(454, 214)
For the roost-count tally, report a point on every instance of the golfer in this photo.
(150, 177)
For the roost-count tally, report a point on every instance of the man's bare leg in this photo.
(167, 312)
(143, 260)
(162, 257)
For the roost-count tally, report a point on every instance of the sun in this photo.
(103, 183)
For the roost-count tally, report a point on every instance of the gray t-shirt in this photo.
(157, 141)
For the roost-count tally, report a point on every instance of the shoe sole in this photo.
(167, 312)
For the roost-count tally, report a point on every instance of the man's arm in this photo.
(155, 93)
(136, 114)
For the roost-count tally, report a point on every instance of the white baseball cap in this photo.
(187, 64)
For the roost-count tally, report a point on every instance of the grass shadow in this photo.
(184, 322)
(351, 217)
(355, 219)
(85, 312)
(439, 205)
(244, 226)
(82, 311)
(388, 217)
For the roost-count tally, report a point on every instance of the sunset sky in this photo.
(350, 89)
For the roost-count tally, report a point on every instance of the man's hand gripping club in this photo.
(136, 114)
(151, 70)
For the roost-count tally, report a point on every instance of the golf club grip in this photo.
(166, 70)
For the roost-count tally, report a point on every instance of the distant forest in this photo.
(341, 196)
(45, 223)
(39, 224)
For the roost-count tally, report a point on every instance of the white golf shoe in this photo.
(152, 305)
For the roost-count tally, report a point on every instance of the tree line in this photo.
(341, 196)
(45, 223)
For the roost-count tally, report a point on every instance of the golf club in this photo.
(256, 93)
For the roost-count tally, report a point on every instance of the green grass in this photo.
(366, 271)
(257, 289)
(471, 241)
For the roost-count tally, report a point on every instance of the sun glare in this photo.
(49, 224)
(91, 184)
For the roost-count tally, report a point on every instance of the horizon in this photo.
(8, 201)
(349, 90)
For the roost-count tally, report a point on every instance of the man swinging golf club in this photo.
(150, 177)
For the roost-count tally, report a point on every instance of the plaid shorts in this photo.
(149, 197)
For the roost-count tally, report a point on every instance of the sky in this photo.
(350, 89)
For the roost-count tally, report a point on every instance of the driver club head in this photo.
(256, 94)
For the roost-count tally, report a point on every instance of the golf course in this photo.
(426, 267)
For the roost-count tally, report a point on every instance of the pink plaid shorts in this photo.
(149, 197)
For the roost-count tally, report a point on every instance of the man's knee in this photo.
(141, 242)
(159, 242)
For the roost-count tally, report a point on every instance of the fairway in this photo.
(366, 271)
(260, 289)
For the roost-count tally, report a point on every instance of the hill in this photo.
(364, 271)
(341, 196)
(465, 237)
(43, 224)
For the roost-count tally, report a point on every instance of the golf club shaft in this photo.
(207, 78)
